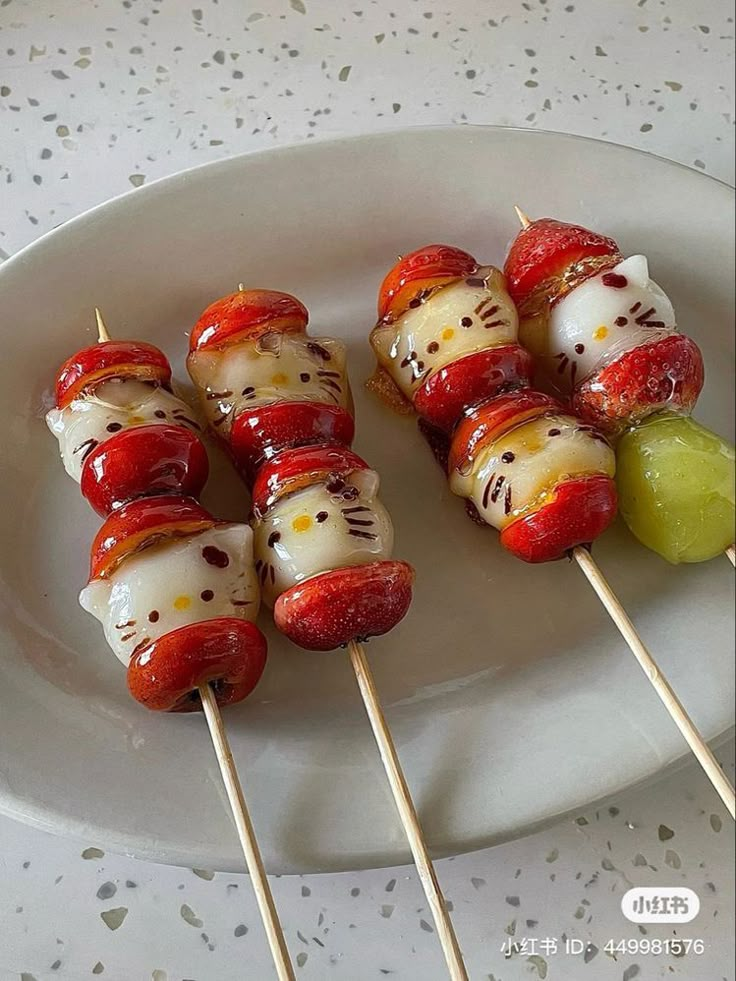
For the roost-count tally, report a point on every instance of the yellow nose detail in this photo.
(447, 334)
(182, 603)
(135, 420)
(600, 333)
(302, 523)
(279, 378)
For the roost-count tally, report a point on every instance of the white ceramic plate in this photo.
(510, 694)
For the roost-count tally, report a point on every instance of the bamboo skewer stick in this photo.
(236, 798)
(247, 835)
(731, 553)
(671, 702)
(407, 812)
(674, 706)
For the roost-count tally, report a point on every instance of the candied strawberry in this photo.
(579, 511)
(485, 423)
(142, 462)
(225, 652)
(666, 374)
(423, 269)
(259, 434)
(545, 249)
(291, 470)
(247, 315)
(141, 523)
(458, 386)
(331, 609)
(91, 366)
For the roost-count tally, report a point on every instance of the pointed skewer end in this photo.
(102, 332)
(524, 219)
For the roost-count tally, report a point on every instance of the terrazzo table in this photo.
(98, 97)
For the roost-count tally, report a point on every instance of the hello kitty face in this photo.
(273, 368)
(514, 474)
(180, 581)
(114, 405)
(470, 316)
(608, 314)
(318, 528)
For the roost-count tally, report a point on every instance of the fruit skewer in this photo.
(447, 346)
(135, 450)
(279, 400)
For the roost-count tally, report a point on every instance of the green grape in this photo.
(676, 488)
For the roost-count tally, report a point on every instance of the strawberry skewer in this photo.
(142, 465)
(279, 400)
(447, 343)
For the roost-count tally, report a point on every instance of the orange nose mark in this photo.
(302, 523)
(600, 333)
(182, 603)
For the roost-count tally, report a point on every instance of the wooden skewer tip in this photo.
(102, 332)
(524, 219)
(241, 287)
(731, 553)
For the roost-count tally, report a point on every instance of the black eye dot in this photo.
(579, 348)
(508, 457)
(207, 595)
(621, 321)
(466, 322)
(554, 432)
(160, 414)
(433, 347)
(305, 376)
(153, 616)
(113, 427)
(321, 516)
(274, 537)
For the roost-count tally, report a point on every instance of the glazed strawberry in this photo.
(224, 652)
(577, 513)
(452, 390)
(259, 434)
(142, 523)
(485, 423)
(247, 315)
(667, 374)
(292, 470)
(546, 250)
(110, 359)
(143, 462)
(425, 269)
(331, 609)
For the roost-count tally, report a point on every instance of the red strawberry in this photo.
(141, 523)
(336, 607)
(423, 269)
(141, 462)
(485, 423)
(247, 315)
(259, 434)
(545, 250)
(580, 510)
(228, 653)
(447, 393)
(97, 363)
(666, 374)
(291, 470)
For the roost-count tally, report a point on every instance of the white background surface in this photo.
(98, 97)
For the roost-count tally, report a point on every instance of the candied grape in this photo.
(676, 488)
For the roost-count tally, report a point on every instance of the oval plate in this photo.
(511, 696)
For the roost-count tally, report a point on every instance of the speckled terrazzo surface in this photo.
(98, 97)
